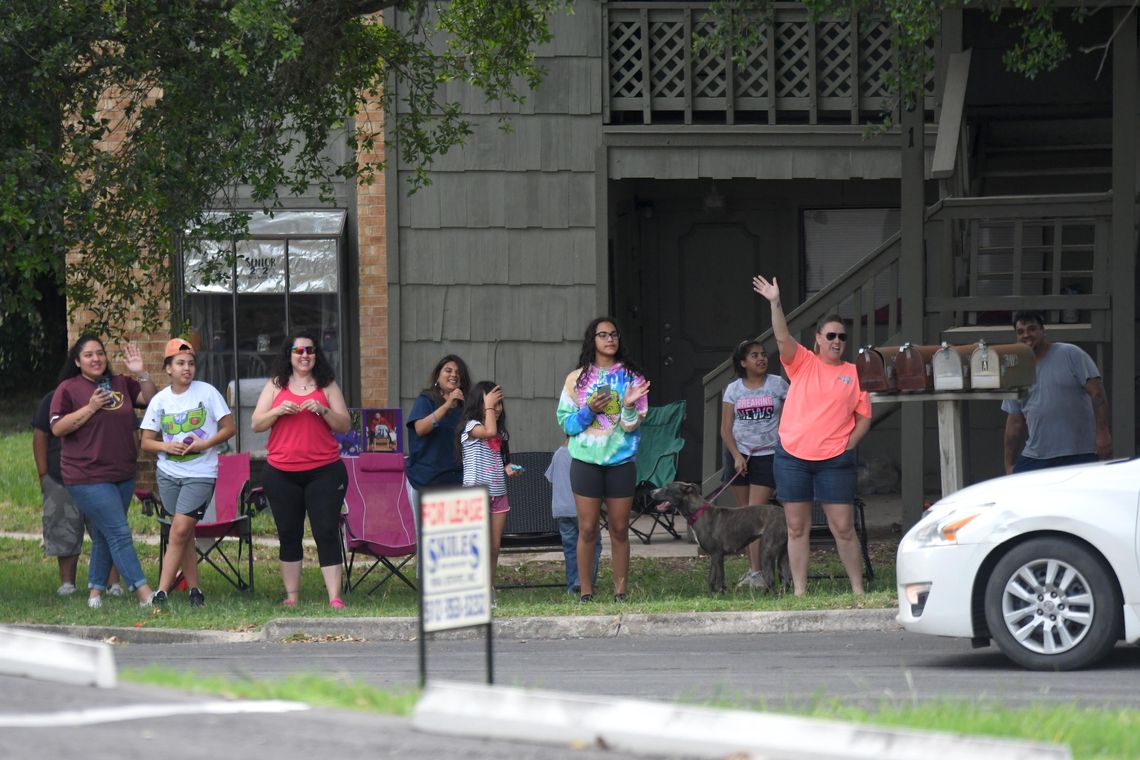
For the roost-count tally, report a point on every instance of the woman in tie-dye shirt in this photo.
(602, 405)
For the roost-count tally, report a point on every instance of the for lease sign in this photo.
(455, 556)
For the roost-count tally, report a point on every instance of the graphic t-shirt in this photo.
(103, 449)
(756, 414)
(194, 413)
(819, 413)
(483, 461)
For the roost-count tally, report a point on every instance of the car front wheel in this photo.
(1051, 604)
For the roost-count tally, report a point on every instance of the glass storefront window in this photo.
(286, 278)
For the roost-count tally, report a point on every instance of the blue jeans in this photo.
(1028, 464)
(105, 507)
(568, 529)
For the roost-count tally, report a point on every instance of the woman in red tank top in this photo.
(302, 406)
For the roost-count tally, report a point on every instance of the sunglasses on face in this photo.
(834, 335)
(603, 335)
(299, 350)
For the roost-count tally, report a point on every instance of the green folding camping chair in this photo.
(661, 444)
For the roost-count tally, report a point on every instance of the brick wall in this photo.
(372, 217)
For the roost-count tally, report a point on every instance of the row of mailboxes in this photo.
(945, 368)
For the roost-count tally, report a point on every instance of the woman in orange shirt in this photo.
(825, 416)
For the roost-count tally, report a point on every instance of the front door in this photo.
(698, 304)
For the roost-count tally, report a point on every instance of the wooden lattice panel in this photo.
(794, 67)
(833, 59)
(625, 59)
(710, 68)
(667, 58)
(752, 72)
(792, 59)
(876, 57)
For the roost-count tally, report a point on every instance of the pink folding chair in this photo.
(379, 521)
(229, 516)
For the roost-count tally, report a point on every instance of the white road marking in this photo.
(97, 715)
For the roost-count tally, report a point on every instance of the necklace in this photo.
(303, 386)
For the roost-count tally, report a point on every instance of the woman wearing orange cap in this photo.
(184, 424)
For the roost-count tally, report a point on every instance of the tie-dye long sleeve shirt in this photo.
(608, 438)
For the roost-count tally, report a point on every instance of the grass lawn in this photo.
(656, 585)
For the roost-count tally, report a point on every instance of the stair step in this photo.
(1048, 171)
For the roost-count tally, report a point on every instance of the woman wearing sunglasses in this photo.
(302, 407)
(825, 416)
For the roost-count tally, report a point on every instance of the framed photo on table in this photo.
(383, 430)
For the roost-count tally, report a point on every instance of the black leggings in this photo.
(320, 493)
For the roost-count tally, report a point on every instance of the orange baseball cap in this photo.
(176, 346)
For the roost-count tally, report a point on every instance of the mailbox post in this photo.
(949, 425)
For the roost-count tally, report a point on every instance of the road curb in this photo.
(569, 627)
(52, 657)
(598, 626)
(144, 635)
(660, 728)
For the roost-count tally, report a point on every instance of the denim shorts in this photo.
(830, 481)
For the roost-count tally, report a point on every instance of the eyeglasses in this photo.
(603, 335)
(833, 336)
(304, 350)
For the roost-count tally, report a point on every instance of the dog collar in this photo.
(696, 515)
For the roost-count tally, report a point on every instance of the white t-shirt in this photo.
(194, 412)
(756, 414)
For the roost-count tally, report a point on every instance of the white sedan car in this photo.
(1044, 563)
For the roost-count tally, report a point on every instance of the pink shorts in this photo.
(499, 505)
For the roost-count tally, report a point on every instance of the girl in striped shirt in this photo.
(486, 455)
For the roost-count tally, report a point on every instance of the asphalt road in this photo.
(864, 668)
(65, 728)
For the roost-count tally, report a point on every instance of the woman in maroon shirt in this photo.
(93, 415)
(302, 406)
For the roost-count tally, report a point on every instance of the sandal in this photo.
(619, 597)
(585, 598)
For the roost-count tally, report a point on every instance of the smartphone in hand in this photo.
(104, 384)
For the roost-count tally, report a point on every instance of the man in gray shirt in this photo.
(1066, 411)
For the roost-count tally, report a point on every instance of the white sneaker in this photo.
(94, 602)
(66, 589)
(753, 579)
(115, 590)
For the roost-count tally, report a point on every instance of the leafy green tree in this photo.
(122, 121)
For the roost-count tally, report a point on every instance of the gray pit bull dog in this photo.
(727, 530)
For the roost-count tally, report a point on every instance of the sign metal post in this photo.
(454, 565)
